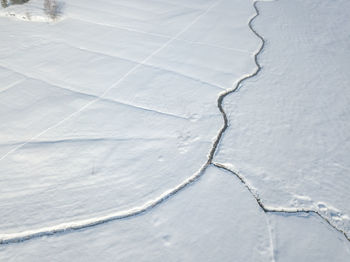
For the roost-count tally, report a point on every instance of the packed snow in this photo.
(108, 115)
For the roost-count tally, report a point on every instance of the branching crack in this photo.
(91, 222)
(265, 208)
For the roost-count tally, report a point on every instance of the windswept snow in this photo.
(111, 115)
(307, 238)
(203, 223)
(105, 119)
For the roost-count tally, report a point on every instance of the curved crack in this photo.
(238, 85)
(81, 224)
(265, 208)
(86, 223)
(268, 209)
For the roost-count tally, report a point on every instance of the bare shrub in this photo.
(52, 9)
(4, 3)
(18, 2)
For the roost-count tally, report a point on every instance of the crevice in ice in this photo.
(265, 208)
(86, 223)
(91, 222)
(9, 238)
(237, 86)
(283, 210)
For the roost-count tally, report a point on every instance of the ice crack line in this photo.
(91, 222)
(236, 88)
(85, 223)
(265, 208)
(268, 209)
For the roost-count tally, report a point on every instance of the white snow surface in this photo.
(97, 118)
(289, 131)
(192, 226)
(111, 108)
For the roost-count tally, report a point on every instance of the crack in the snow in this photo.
(76, 225)
(81, 224)
(269, 209)
(238, 85)
(265, 208)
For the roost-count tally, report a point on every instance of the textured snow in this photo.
(111, 110)
(290, 126)
(306, 238)
(206, 222)
(103, 119)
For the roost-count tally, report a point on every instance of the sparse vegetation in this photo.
(6, 3)
(18, 2)
(52, 9)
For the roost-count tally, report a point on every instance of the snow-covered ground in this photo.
(109, 120)
(290, 125)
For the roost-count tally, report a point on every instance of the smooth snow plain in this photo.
(114, 104)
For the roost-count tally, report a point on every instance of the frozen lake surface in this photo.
(113, 145)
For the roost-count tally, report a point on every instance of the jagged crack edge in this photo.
(268, 209)
(86, 223)
(226, 125)
(78, 225)
(238, 85)
(9, 238)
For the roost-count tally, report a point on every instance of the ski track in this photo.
(91, 222)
